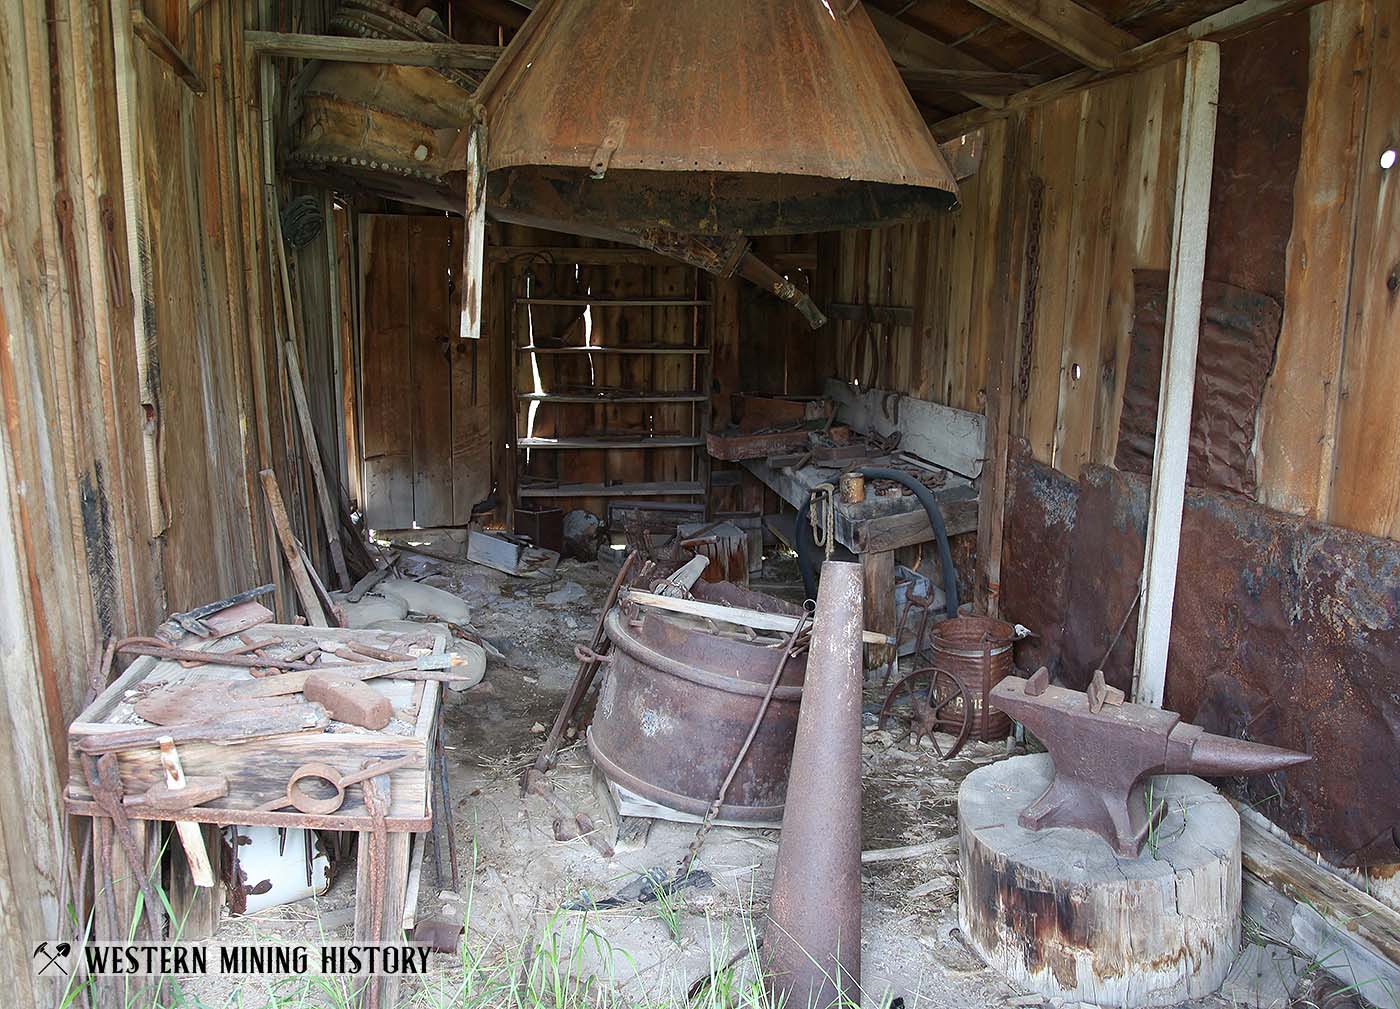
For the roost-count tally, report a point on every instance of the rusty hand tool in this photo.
(377, 795)
(325, 805)
(1104, 755)
(193, 620)
(158, 649)
(583, 679)
(104, 780)
(424, 667)
(537, 784)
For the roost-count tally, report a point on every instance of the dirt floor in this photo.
(517, 883)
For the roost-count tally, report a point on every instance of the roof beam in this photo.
(912, 49)
(1066, 26)
(1238, 20)
(357, 50)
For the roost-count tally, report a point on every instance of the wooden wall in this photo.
(1310, 220)
(141, 380)
(1093, 177)
(1329, 441)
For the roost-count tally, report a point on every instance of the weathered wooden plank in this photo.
(429, 358)
(954, 439)
(1191, 218)
(1366, 487)
(1102, 150)
(386, 387)
(1298, 415)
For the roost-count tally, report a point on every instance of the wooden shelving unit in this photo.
(547, 379)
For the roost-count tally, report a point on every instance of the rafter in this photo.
(1233, 21)
(1065, 25)
(912, 49)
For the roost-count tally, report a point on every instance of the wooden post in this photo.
(878, 568)
(1183, 325)
(296, 560)
(474, 232)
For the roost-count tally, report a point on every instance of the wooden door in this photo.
(424, 398)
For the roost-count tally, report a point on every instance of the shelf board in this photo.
(686, 489)
(646, 348)
(614, 442)
(615, 397)
(618, 302)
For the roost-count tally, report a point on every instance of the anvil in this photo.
(1103, 757)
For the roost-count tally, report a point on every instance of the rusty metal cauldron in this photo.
(976, 651)
(676, 705)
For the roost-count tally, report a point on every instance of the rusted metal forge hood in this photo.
(715, 118)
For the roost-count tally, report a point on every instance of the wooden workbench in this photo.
(258, 770)
(876, 528)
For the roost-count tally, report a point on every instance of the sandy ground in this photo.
(515, 877)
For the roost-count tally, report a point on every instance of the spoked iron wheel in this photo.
(928, 701)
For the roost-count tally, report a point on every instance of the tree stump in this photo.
(1060, 913)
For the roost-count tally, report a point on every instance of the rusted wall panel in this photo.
(1239, 331)
(1285, 631)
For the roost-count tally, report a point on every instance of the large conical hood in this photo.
(707, 116)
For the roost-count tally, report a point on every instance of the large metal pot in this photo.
(675, 706)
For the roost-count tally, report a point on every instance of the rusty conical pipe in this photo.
(811, 945)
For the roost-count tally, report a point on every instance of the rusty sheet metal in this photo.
(676, 705)
(1285, 632)
(1239, 331)
(1258, 141)
(712, 118)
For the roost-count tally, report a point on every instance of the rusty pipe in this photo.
(811, 945)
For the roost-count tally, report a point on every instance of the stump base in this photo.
(1060, 913)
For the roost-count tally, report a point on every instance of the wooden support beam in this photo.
(166, 51)
(913, 50)
(1232, 22)
(1183, 328)
(1068, 27)
(354, 50)
(986, 82)
(474, 232)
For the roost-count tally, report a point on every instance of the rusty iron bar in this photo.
(1104, 757)
(583, 679)
(811, 944)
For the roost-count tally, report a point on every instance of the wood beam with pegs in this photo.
(1066, 26)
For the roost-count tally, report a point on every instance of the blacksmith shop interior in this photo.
(734, 504)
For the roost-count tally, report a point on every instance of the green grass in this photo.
(566, 963)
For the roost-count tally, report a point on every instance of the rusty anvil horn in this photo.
(1104, 757)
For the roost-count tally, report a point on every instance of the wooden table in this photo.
(877, 527)
(258, 771)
